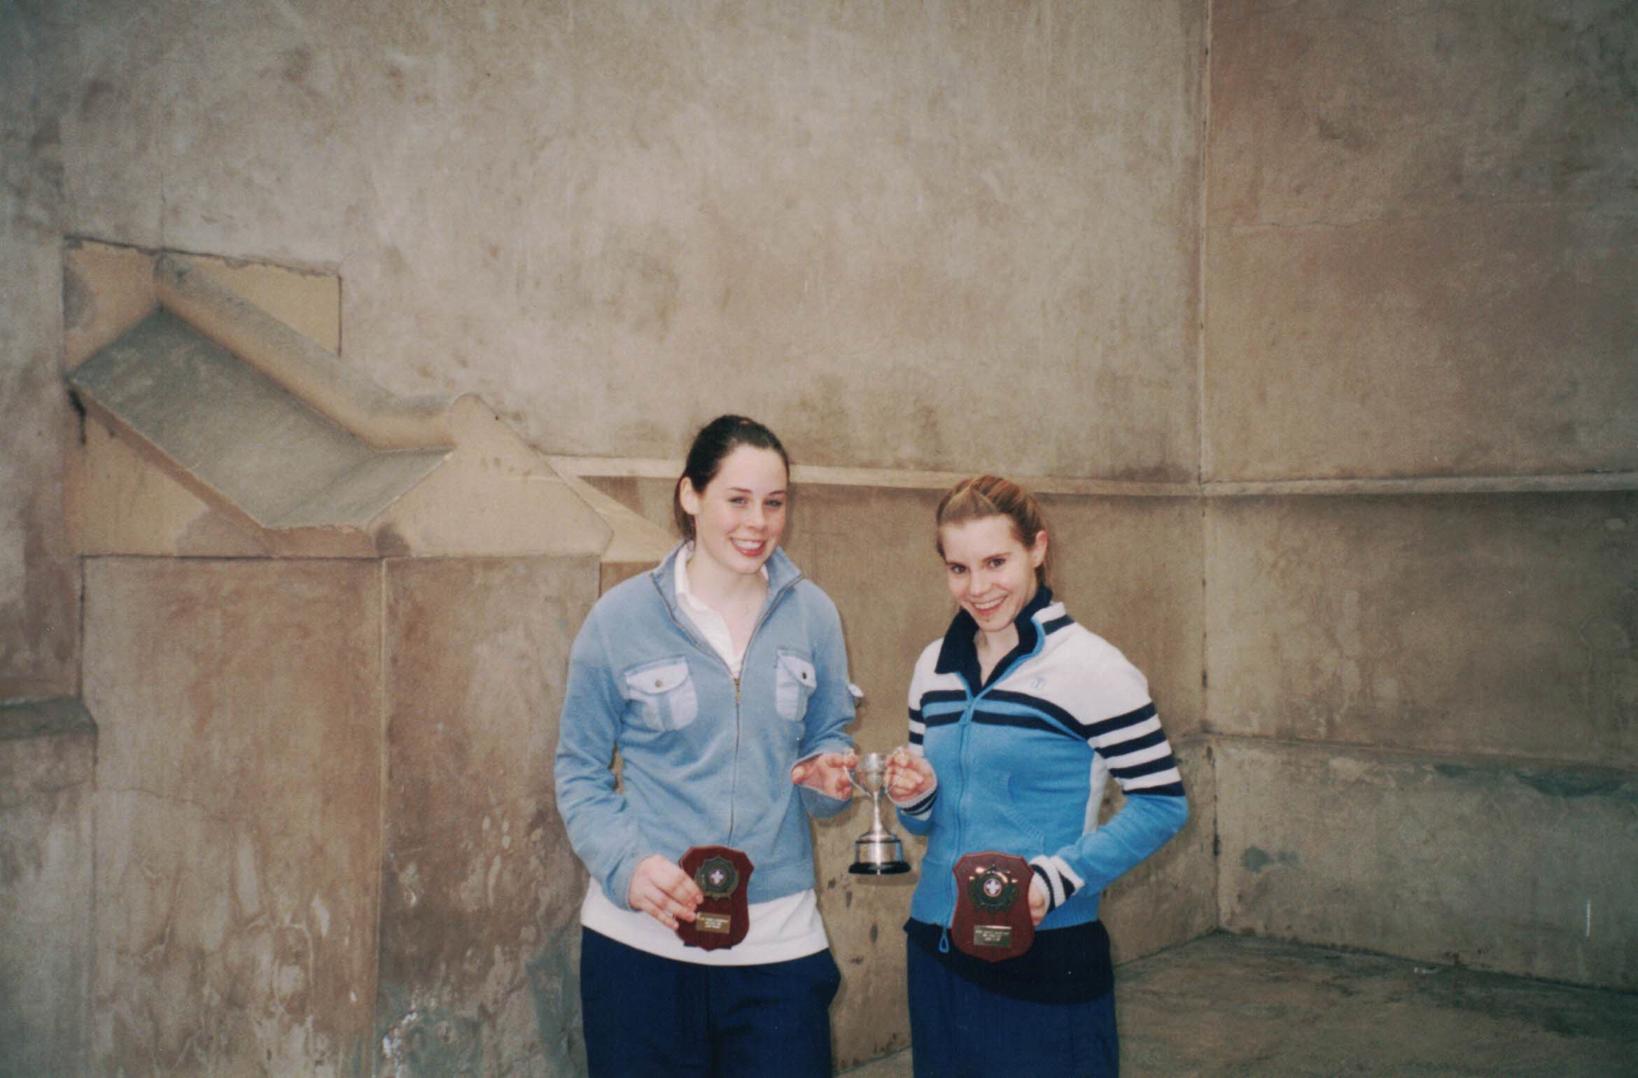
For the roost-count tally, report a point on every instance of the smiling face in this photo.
(991, 573)
(740, 515)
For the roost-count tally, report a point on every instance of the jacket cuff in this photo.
(922, 806)
(1060, 880)
(618, 884)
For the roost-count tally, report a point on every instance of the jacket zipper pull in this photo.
(944, 940)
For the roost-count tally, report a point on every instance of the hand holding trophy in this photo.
(909, 777)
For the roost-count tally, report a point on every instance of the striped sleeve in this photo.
(918, 728)
(1138, 754)
(1133, 746)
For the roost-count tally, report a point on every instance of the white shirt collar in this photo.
(685, 591)
(712, 625)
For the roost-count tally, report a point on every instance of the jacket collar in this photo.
(782, 573)
(959, 652)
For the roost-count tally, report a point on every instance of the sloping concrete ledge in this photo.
(238, 438)
(308, 372)
(211, 428)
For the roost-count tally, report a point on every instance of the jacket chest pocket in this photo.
(794, 681)
(661, 695)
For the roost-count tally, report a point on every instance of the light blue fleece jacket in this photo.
(705, 760)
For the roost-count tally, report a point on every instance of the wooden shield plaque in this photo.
(722, 920)
(992, 919)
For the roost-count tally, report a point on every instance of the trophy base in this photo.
(878, 856)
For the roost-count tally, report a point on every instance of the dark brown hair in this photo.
(711, 447)
(990, 496)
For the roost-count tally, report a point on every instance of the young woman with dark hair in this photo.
(1018, 719)
(721, 679)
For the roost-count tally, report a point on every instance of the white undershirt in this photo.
(783, 929)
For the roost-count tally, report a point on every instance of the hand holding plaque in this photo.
(661, 889)
(992, 917)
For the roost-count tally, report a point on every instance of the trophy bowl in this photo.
(877, 852)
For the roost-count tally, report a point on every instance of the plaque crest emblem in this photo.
(717, 877)
(992, 890)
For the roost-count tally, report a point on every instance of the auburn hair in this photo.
(990, 496)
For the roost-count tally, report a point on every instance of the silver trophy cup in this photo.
(877, 852)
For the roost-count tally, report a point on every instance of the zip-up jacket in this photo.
(705, 759)
(1023, 762)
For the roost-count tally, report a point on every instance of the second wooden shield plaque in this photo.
(992, 919)
(722, 920)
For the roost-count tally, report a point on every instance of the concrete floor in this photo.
(1227, 1005)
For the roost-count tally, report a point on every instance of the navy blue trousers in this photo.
(960, 1030)
(646, 1015)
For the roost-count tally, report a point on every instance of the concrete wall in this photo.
(878, 227)
(1420, 239)
(954, 236)
(1496, 624)
(239, 804)
(1420, 266)
(47, 786)
(575, 212)
(480, 901)
(1470, 861)
(39, 578)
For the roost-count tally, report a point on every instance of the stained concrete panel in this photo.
(865, 222)
(481, 891)
(238, 813)
(1421, 243)
(1513, 867)
(1491, 342)
(117, 501)
(1498, 624)
(39, 582)
(572, 213)
(39, 578)
(1130, 570)
(107, 289)
(210, 127)
(1327, 110)
(48, 752)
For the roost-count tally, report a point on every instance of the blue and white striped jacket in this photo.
(1023, 762)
